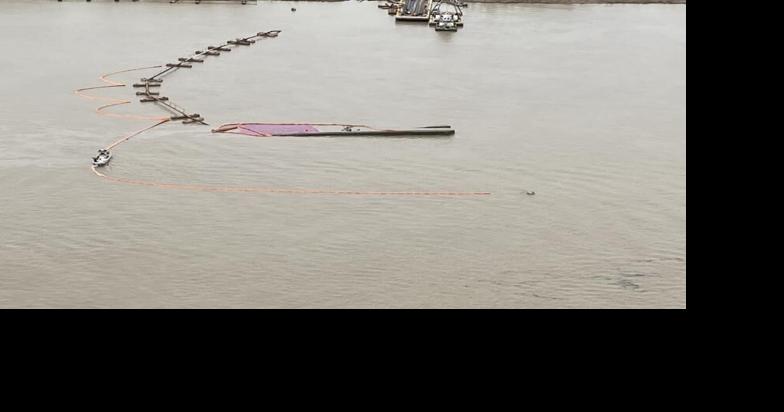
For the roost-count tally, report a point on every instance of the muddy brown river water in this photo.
(583, 104)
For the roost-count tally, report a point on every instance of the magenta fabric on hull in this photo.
(273, 129)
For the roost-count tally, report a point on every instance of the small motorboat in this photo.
(102, 159)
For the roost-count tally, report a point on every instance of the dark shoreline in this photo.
(555, 1)
(511, 1)
(581, 1)
(563, 1)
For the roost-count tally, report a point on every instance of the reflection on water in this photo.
(583, 104)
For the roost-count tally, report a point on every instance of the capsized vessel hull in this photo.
(327, 130)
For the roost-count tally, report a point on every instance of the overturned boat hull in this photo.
(327, 130)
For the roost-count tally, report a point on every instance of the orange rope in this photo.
(207, 188)
(115, 102)
(105, 80)
(125, 138)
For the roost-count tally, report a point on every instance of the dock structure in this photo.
(391, 6)
(414, 11)
(444, 14)
(155, 81)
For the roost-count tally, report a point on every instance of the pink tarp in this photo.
(275, 129)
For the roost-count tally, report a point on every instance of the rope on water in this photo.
(211, 188)
(136, 133)
(115, 102)
(231, 189)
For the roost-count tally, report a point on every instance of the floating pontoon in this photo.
(413, 10)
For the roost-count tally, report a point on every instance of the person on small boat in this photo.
(102, 158)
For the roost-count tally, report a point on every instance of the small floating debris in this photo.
(293, 9)
(530, 193)
(102, 159)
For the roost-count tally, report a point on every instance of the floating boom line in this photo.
(185, 63)
(148, 95)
